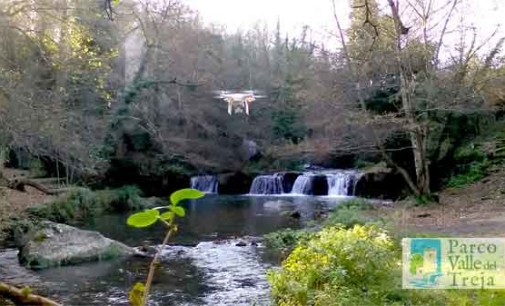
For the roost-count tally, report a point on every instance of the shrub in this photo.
(469, 174)
(349, 213)
(282, 242)
(357, 266)
(77, 204)
(82, 204)
(347, 267)
(472, 166)
(126, 198)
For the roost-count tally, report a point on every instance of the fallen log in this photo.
(20, 185)
(24, 296)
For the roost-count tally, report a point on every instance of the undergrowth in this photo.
(81, 204)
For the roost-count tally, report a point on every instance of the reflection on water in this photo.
(215, 271)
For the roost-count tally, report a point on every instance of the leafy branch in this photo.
(139, 294)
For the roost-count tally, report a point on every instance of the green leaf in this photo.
(136, 294)
(178, 210)
(185, 194)
(116, 2)
(144, 218)
(26, 291)
(169, 215)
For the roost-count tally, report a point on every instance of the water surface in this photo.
(202, 266)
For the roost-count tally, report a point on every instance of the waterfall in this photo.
(267, 184)
(339, 183)
(205, 183)
(317, 182)
(303, 184)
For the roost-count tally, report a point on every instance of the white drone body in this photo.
(238, 100)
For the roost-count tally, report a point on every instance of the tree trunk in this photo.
(418, 133)
(20, 185)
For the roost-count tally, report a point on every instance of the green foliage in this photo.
(363, 164)
(425, 199)
(77, 205)
(36, 168)
(472, 166)
(339, 267)
(185, 194)
(149, 217)
(349, 213)
(144, 218)
(82, 204)
(288, 126)
(357, 266)
(26, 291)
(284, 241)
(139, 293)
(126, 198)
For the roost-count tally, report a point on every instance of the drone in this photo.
(238, 100)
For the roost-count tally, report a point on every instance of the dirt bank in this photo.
(477, 210)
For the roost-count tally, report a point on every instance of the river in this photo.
(202, 266)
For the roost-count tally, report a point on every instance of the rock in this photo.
(380, 182)
(145, 251)
(312, 167)
(54, 244)
(288, 180)
(250, 150)
(319, 185)
(234, 183)
(241, 244)
(295, 214)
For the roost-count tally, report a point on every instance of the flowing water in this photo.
(205, 183)
(267, 184)
(336, 182)
(203, 266)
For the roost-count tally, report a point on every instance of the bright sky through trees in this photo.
(485, 15)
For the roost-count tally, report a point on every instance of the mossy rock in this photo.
(56, 244)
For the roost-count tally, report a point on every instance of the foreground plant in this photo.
(139, 294)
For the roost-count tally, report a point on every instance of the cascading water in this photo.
(205, 183)
(318, 182)
(341, 183)
(267, 184)
(303, 184)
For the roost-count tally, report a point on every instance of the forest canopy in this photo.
(87, 87)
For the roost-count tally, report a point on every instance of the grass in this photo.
(82, 204)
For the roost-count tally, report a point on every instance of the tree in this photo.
(404, 64)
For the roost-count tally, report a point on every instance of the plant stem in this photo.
(18, 295)
(154, 262)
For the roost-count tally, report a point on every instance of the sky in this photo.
(318, 15)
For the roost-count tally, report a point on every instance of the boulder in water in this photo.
(54, 244)
(295, 214)
(241, 244)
